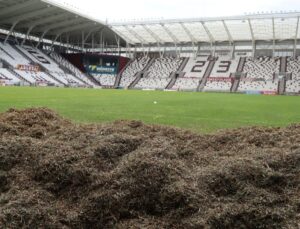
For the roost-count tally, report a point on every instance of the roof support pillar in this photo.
(253, 49)
(82, 40)
(10, 31)
(296, 38)
(188, 32)
(42, 37)
(211, 38)
(57, 36)
(233, 51)
(228, 32)
(27, 34)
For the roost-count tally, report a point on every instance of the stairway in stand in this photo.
(207, 74)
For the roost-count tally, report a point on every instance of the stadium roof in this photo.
(266, 27)
(53, 21)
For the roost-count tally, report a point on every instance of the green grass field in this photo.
(204, 112)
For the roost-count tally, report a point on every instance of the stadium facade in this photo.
(45, 43)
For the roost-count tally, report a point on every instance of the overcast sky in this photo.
(119, 10)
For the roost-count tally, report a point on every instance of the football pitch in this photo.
(202, 112)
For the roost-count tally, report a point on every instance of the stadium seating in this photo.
(293, 67)
(186, 84)
(37, 77)
(15, 56)
(75, 71)
(261, 68)
(224, 67)
(153, 83)
(9, 54)
(105, 79)
(8, 77)
(259, 74)
(218, 86)
(129, 73)
(196, 68)
(159, 73)
(40, 58)
(268, 86)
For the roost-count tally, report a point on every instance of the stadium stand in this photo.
(50, 73)
(186, 66)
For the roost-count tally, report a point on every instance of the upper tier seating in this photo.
(262, 67)
(196, 67)
(39, 57)
(12, 56)
(293, 66)
(129, 73)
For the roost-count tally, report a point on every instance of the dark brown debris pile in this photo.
(55, 174)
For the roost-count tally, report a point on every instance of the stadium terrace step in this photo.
(183, 64)
(119, 76)
(174, 77)
(138, 77)
(19, 76)
(207, 73)
(283, 64)
(21, 51)
(281, 86)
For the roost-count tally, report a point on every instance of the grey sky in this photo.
(119, 10)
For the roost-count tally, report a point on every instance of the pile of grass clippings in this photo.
(56, 174)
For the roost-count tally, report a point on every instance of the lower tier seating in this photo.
(258, 86)
(218, 86)
(153, 83)
(186, 84)
(105, 79)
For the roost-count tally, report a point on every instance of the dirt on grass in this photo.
(57, 174)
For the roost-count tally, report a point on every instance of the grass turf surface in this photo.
(204, 112)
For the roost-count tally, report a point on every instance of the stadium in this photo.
(159, 123)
